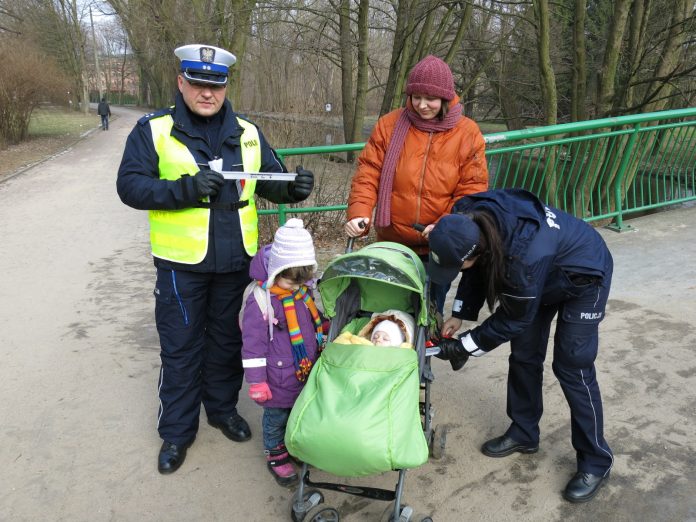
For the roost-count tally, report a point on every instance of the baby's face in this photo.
(381, 339)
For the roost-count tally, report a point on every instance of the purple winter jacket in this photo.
(272, 361)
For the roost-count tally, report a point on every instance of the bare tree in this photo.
(579, 77)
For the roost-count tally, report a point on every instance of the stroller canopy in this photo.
(387, 276)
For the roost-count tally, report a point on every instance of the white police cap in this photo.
(205, 63)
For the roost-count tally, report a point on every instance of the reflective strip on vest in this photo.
(182, 235)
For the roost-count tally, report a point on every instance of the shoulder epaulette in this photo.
(246, 119)
(156, 114)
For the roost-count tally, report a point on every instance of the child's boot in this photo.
(280, 466)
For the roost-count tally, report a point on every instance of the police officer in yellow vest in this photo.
(203, 232)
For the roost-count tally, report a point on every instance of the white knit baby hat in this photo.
(396, 336)
(292, 246)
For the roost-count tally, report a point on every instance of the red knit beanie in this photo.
(431, 77)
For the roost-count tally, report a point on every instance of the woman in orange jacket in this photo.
(418, 162)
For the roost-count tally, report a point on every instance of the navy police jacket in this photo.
(546, 250)
(139, 186)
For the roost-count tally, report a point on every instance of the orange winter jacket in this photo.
(434, 170)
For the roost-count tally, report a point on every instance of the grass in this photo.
(59, 121)
(51, 130)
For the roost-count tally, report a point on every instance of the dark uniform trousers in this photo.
(575, 349)
(197, 321)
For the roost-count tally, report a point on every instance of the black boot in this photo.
(583, 487)
(503, 446)
(171, 456)
(234, 427)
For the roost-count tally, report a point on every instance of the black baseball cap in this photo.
(454, 239)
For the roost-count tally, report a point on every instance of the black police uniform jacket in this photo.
(546, 250)
(139, 186)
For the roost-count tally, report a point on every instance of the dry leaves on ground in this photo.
(16, 158)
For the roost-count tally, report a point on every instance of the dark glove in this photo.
(452, 350)
(302, 187)
(207, 182)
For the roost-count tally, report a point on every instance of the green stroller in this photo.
(366, 409)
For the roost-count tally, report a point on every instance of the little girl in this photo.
(281, 333)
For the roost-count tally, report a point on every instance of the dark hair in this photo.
(491, 257)
(298, 274)
(444, 109)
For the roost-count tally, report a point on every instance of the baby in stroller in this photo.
(365, 409)
(388, 328)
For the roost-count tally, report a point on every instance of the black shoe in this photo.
(583, 486)
(234, 427)
(171, 457)
(503, 446)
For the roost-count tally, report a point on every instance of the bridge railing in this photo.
(602, 169)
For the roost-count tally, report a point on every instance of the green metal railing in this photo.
(600, 169)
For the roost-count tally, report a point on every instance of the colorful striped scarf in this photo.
(303, 365)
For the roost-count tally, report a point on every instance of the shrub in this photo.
(27, 77)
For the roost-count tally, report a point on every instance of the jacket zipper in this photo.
(422, 180)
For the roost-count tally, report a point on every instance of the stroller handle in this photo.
(351, 240)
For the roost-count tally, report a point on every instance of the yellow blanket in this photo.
(351, 338)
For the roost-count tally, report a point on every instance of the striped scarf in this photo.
(302, 363)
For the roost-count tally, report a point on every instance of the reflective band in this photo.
(254, 363)
(471, 347)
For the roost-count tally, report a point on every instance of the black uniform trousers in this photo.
(575, 349)
(197, 316)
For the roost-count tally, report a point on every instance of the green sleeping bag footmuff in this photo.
(358, 414)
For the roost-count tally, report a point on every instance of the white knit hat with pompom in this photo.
(292, 246)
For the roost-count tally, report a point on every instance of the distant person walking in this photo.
(104, 111)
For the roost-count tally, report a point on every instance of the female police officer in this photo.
(536, 262)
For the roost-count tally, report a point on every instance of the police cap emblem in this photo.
(207, 54)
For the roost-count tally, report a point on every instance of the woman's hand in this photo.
(427, 230)
(451, 326)
(356, 226)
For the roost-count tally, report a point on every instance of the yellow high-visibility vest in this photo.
(182, 235)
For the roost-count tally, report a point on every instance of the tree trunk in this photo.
(636, 42)
(578, 110)
(346, 52)
(398, 55)
(661, 87)
(509, 104)
(547, 80)
(607, 78)
(361, 87)
(235, 37)
(464, 21)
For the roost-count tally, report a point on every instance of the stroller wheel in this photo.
(301, 507)
(422, 518)
(320, 514)
(438, 440)
(405, 514)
